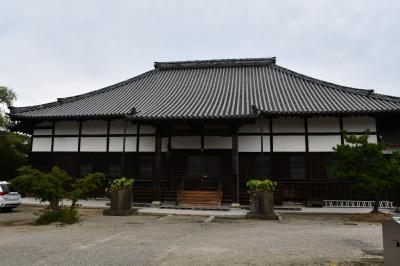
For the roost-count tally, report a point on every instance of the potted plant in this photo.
(262, 198)
(121, 197)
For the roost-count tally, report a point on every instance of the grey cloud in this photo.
(51, 49)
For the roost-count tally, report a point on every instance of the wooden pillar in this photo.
(262, 147)
(341, 130)
(108, 136)
(378, 136)
(202, 159)
(123, 149)
(52, 144)
(78, 168)
(307, 148)
(235, 164)
(157, 164)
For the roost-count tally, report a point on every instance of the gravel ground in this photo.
(179, 240)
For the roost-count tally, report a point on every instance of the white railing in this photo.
(356, 204)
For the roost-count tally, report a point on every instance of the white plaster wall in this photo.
(256, 127)
(359, 123)
(215, 142)
(41, 131)
(182, 142)
(147, 144)
(164, 144)
(130, 144)
(66, 144)
(266, 144)
(323, 124)
(41, 144)
(93, 127)
(249, 143)
(144, 129)
(323, 143)
(117, 127)
(289, 144)
(116, 144)
(288, 125)
(95, 144)
(66, 128)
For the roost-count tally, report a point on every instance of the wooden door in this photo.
(211, 172)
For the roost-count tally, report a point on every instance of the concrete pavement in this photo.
(102, 203)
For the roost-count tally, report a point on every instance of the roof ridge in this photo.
(80, 96)
(238, 62)
(363, 92)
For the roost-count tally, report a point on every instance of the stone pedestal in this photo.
(235, 207)
(156, 204)
(121, 203)
(262, 205)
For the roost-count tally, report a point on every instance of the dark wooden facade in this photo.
(317, 184)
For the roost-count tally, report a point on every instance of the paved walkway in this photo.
(102, 203)
(225, 214)
(91, 203)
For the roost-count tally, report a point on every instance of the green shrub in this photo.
(63, 215)
(254, 185)
(121, 183)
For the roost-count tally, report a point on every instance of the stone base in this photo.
(156, 204)
(274, 216)
(110, 212)
(235, 207)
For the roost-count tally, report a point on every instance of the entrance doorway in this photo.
(202, 172)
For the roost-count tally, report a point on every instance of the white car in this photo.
(8, 199)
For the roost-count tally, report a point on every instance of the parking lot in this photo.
(183, 240)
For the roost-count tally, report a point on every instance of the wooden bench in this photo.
(199, 198)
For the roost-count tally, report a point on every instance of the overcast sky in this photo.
(51, 49)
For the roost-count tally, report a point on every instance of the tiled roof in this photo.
(214, 89)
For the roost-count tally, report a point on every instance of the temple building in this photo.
(212, 125)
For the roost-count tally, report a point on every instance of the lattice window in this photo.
(297, 167)
(193, 168)
(146, 166)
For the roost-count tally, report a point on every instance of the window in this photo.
(263, 167)
(146, 166)
(297, 167)
(86, 169)
(193, 168)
